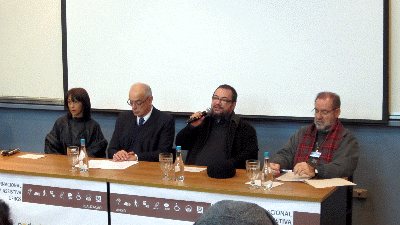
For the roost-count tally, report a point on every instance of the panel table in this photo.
(43, 191)
(138, 194)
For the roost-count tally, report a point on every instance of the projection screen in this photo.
(277, 54)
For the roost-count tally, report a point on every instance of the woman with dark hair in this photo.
(76, 125)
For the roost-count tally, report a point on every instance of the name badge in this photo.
(315, 154)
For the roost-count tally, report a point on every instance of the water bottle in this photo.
(179, 167)
(83, 158)
(267, 176)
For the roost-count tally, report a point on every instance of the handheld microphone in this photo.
(204, 113)
(10, 152)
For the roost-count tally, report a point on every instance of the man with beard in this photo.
(324, 149)
(221, 136)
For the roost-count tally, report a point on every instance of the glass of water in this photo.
(252, 171)
(73, 154)
(165, 164)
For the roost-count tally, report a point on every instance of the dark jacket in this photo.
(156, 135)
(241, 143)
(68, 131)
(343, 163)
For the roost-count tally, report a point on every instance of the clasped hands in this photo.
(123, 155)
(300, 169)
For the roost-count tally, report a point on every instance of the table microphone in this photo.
(10, 152)
(221, 170)
(204, 113)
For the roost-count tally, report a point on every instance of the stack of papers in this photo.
(194, 169)
(334, 182)
(108, 164)
(258, 183)
(31, 156)
(317, 183)
(290, 176)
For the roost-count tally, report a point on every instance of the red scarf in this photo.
(327, 148)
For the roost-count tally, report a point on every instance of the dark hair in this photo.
(4, 214)
(335, 98)
(80, 95)
(234, 93)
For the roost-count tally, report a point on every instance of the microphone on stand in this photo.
(204, 113)
(221, 170)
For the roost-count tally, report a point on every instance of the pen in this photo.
(285, 171)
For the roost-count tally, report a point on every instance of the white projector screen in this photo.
(277, 54)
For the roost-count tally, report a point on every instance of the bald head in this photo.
(141, 99)
(142, 88)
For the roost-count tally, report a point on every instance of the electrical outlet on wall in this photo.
(360, 193)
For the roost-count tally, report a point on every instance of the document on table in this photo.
(194, 169)
(31, 156)
(258, 183)
(334, 182)
(108, 164)
(290, 176)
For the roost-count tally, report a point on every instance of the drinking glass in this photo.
(165, 164)
(252, 171)
(73, 154)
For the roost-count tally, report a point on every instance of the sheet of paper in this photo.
(334, 182)
(258, 183)
(108, 164)
(31, 156)
(194, 169)
(290, 176)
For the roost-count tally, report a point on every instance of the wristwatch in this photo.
(315, 171)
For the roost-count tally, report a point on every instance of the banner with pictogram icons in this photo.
(43, 200)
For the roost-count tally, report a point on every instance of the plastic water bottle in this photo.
(83, 158)
(179, 167)
(267, 176)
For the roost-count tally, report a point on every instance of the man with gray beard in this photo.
(324, 149)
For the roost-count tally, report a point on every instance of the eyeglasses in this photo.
(136, 103)
(224, 100)
(73, 101)
(323, 112)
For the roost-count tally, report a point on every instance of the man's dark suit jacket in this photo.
(148, 140)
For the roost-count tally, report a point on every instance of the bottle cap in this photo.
(178, 147)
(266, 154)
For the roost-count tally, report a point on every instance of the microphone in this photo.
(9, 152)
(204, 113)
(221, 170)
